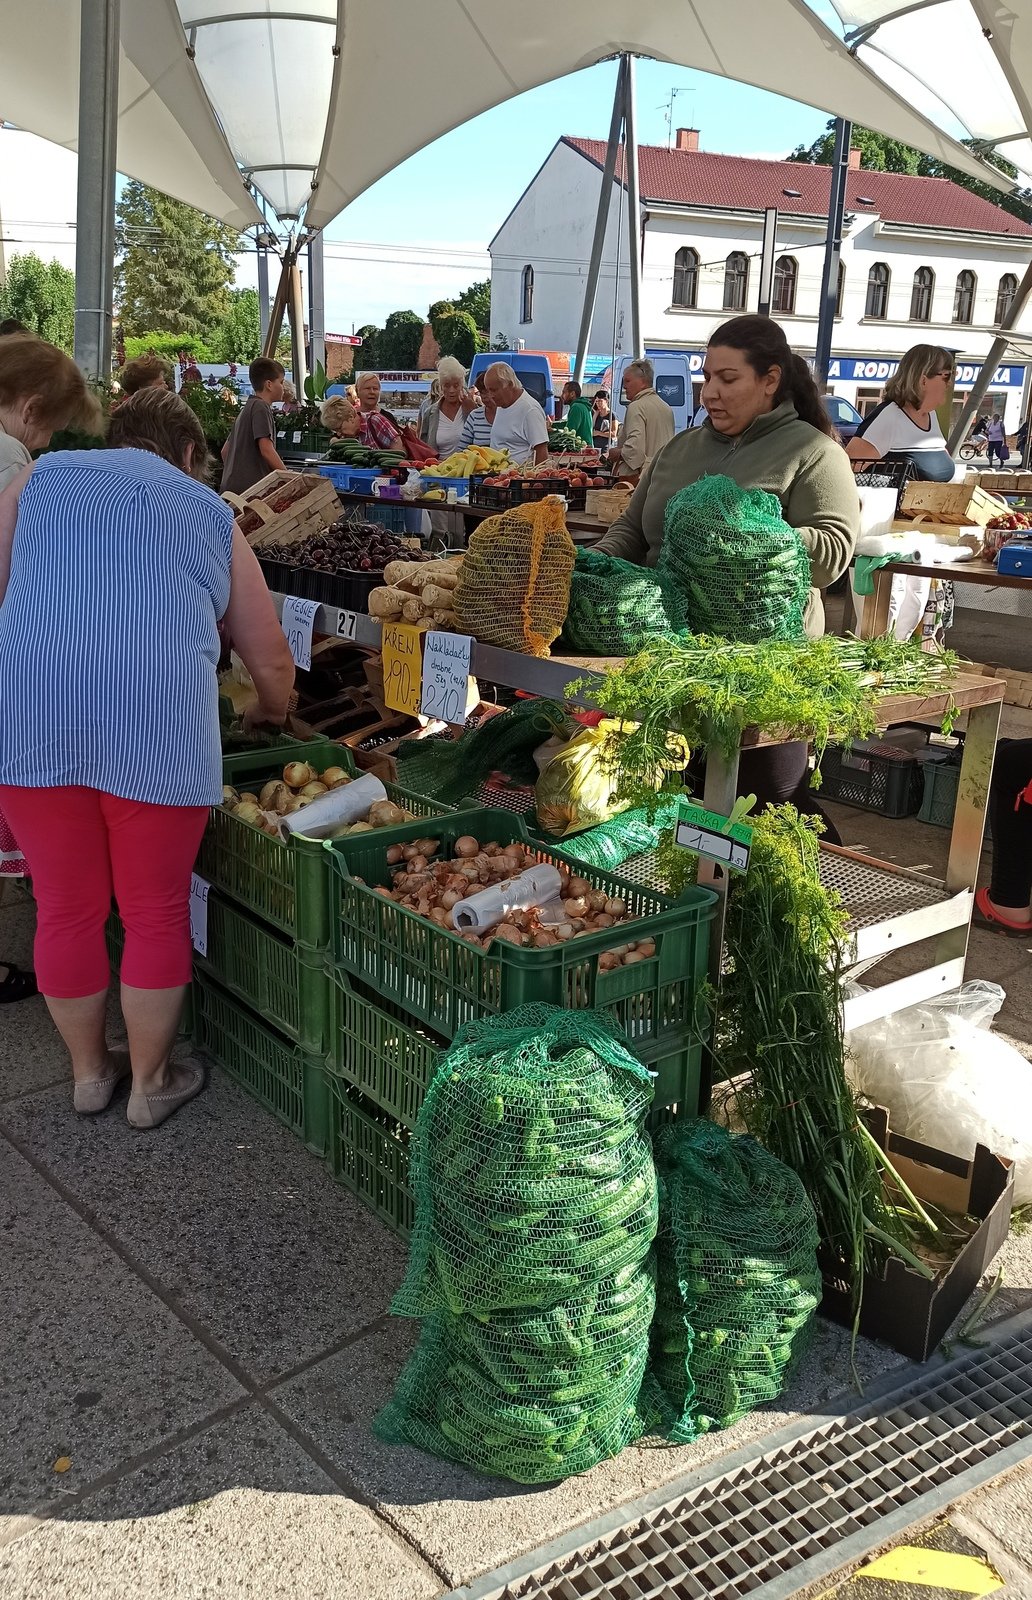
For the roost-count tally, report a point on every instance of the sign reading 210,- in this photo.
(401, 649)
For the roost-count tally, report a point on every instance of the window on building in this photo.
(1008, 288)
(686, 278)
(921, 295)
(840, 296)
(878, 292)
(786, 276)
(736, 281)
(964, 297)
(527, 298)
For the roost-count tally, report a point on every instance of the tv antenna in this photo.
(667, 109)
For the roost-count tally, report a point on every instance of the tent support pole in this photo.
(633, 209)
(832, 251)
(316, 303)
(279, 306)
(95, 203)
(299, 370)
(263, 284)
(997, 349)
(605, 197)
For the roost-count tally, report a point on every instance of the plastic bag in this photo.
(947, 1081)
(514, 583)
(739, 570)
(577, 789)
(739, 1282)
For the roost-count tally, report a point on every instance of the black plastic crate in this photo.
(873, 775)
(349, 590)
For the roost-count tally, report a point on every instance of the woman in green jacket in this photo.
(766, 429)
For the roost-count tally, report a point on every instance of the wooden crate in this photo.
(314, 508)
(951, 502)
(1019, 684)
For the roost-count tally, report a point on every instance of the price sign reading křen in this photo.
(199, 913)
(448, 688)
(400, 646)
(298, 616)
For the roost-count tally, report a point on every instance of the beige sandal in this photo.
(94, 1095)
(146, 1111)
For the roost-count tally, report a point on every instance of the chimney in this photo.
(687, 139)
(854, 158)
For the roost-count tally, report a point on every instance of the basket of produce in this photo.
(349, 453)
(284, 882)
(342, 564)
(419, 591)
(637, 954)
(462, 464)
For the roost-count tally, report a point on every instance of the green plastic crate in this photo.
(390, 1059)
(285, 982)
(941, 782)
(369, 1154)
(285, 884)
(285, 1079)
(433, 975)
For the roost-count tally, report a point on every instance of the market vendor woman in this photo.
(766, 429)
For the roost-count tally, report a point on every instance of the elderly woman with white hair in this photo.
(442, 426)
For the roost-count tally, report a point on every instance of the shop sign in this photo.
(877, 369)
(717, 838)
(449, 693)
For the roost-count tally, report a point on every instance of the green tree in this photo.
(238, 336)
(42, 295)
(1018, 202)
(437, 312)
(398, 344)
(169, 345)
(456, 333)
(367, 354)
(477, 301)
(175, 265)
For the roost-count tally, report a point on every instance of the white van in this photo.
(673, 384)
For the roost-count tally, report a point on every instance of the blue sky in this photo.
(436, 213)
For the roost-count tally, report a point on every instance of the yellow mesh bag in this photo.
(514, 584)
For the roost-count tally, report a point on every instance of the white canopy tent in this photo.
(308, 102)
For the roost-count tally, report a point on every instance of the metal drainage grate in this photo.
(871, 894)
(817, 1501)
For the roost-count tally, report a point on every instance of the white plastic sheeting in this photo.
(314, 100)
(966, 64)
(167, 133)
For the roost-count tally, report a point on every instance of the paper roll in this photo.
(349, 803)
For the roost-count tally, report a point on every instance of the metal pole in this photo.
(996, 352)
(95, 205)
(297, 326)
(770, 228)
(633, 208)
(605, 197)
(316, 303)
(832, 251)
(279, 305)
(263, 284)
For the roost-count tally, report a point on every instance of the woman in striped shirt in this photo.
(116, 567)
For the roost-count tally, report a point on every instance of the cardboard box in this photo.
(902, 1309)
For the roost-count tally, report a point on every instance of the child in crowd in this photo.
(250, 454)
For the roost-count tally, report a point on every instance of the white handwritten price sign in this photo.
(449, 693)
(298, 616)
(199, 913)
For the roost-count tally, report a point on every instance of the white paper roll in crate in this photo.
(349, 803)
(538, 886)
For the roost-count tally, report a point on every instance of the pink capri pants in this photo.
(82, 846)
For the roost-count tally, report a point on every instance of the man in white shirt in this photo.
(648, 422)
(519, 425)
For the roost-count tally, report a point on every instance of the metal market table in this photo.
(582, 528)
(890, 908)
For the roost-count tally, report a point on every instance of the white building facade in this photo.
(923, 261)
